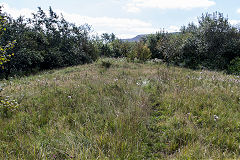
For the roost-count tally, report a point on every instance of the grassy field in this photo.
(122, 110)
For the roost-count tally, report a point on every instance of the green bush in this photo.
(7, 107)
(211, 44)
(140, 51)
(189, 53)
(234, 67)
(145, 53)
(53, 43)
(106, 64)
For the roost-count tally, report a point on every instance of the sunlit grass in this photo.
(124, 111)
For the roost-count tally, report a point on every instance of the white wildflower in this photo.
(215, 117)
(145, 82)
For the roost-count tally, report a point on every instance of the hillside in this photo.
(139, 37)
(135, 39)
(122, 111)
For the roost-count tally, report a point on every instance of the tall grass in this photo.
(128, 111)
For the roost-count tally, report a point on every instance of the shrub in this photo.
(106, 64)
(189, 53)
(140, 51)
(145, 53)
(7, 107)
(43, 46)
(234, 67)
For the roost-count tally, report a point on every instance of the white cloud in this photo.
(173, 29)
(131, 8)
(137, 5)
(15, 12)
(105, 21)
(238, 11)
(122, 27)
(234, 22)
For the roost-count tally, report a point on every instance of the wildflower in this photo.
(69, 97)
(145, 82)
(215, 117)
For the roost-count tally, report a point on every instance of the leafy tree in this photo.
(47, 41)
(212, 44)
(154, 41)
(214, 32)
(234, 67)
(140, 51)
(7, 106)
(4, 55)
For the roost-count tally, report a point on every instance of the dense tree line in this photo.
(4, 55)
(48, 41)
(6, 105)
(212, 44)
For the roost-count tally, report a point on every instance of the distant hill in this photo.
(135, 39)
(138, 37)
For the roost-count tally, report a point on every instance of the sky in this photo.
(128, 18)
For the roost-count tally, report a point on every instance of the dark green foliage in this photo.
(47, 42)
(156, 43)
(190, 56)
(213, 44)
(110, 46)
(215, 33)
(7, 106)
(141, 52)
(106, 64)
(234, 67)
(4, 46)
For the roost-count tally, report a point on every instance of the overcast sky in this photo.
(128, 18)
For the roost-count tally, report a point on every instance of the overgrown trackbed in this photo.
(127, 111)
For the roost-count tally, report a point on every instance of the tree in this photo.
(46, 41)
(140, 51)
(218, 40)
(4, 56)
(7, 106)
